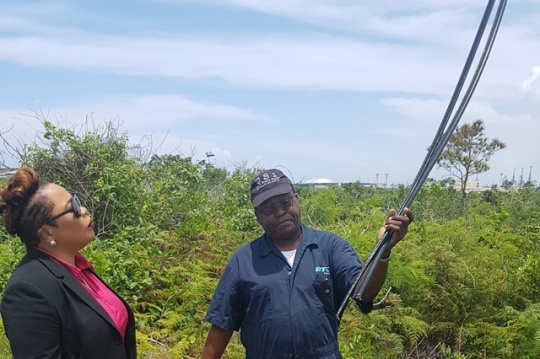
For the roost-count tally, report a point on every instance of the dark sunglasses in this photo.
(75, 208)
(269, 210)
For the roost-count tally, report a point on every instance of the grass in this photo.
(5, 351)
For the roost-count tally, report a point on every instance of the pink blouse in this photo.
(99, 291)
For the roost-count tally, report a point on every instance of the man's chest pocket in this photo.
(259, 308)
(325, 290)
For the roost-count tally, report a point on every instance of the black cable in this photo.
(439, 143)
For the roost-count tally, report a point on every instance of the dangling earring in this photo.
(52, 243)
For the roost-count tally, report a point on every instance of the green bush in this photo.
(461, 286)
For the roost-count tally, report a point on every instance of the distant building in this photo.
(473, 186)
(318, 183)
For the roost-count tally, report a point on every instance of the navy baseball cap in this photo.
(269, 183)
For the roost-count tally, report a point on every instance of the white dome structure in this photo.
(318, 183)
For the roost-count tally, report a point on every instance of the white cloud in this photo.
(430, 63)
(527, 84)
(410, 54)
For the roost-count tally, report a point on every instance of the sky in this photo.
(344, 90)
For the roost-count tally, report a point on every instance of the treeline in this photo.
(460, 286)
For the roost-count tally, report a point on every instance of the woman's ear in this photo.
(45, 233)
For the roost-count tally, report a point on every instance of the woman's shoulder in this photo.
(32, 270)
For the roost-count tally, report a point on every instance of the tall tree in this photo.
(468, 153)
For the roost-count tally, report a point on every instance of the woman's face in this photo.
(71, 232)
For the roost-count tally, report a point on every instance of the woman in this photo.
(54, 305)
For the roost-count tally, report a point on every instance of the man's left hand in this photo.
(398, 225)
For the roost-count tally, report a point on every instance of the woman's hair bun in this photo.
(15, 195)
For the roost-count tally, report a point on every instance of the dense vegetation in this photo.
(462, 286)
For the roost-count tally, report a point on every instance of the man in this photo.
(282, 291)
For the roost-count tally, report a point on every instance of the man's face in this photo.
(280, 217)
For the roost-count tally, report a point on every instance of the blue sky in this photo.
(346, 90)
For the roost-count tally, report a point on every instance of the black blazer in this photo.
(47, 313)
